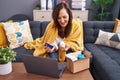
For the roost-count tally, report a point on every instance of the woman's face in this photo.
(63, 18)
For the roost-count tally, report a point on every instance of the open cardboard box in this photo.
(79, 65)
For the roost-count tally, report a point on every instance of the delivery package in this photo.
(76, 65)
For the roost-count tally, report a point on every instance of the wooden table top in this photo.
(19, 73)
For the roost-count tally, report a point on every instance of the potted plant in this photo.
(102, 13)
(7, 55)
(37, 6)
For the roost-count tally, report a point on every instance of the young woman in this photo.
(64, 33)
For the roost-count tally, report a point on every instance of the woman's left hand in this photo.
(66, 48)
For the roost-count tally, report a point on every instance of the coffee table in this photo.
(19, 73)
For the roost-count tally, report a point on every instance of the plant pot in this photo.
(5, 68)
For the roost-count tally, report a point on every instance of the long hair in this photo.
(55, 15)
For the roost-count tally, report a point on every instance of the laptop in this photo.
(43, 66)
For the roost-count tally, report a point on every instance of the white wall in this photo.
(11, 7)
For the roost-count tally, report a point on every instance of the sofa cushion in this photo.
(91, 29)
(108, 39)
(105, 61)
(18, 33)
(43, 26)
(35, 29)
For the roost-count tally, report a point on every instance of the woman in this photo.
(64, 33)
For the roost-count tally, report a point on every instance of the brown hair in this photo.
(55, 15)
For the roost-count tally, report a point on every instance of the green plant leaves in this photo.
(6, 55)
(103, 2)
(102, 14)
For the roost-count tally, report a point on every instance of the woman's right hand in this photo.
(48, 49)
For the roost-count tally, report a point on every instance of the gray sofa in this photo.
(105, 62)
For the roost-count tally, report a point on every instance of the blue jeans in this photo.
(54, 55)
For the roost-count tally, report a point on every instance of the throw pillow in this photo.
(18, 33)
(108, 39)
(117, 26)
(3, 38)
(115, 37)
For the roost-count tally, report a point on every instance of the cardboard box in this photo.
(79, 65)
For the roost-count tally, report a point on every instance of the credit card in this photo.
(49, 45)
